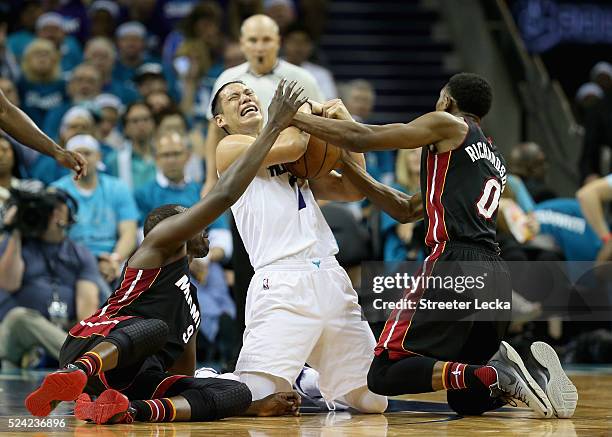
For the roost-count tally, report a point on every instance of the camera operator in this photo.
(46, 280)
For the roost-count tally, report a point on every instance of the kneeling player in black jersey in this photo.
(136, 351)
(462, 177)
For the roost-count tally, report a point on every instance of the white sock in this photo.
(262, 384)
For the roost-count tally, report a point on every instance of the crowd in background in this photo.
(128, 84)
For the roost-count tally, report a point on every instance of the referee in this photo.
(260, 43)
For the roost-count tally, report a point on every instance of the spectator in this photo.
(107, 212)
(103, 15)
(588, 96)
(29, 11)
(563, 220)
(9, 89)
(150, 14)
(9, 68)
(201, 26)
(174, 121)
(170, 186)
(11, 171)
(597, 126)
(592, 198)
(84, 84)
(601, 74)
(100, 52)
(131, 44)
(77, 120)
(151, 77)
(397, 238)
(55, 288)
(41, 88)
(27, 155)
(196, 79)
(298, 47)
(281, 11)
(51, 26)
(359, 97)
(528, 161)
(110, 109)
(76, 21)
(133, 163)
(160, 101)
(232, 54)
(240, 10)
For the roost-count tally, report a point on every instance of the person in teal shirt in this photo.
(107, 216)
(41, 87)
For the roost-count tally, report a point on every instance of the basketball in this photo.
(320, 158)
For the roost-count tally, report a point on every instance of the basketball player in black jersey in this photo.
(136, 351)
(462, 177)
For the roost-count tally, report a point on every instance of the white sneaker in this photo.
(307, 385)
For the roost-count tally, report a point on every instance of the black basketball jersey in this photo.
(461, 190)
(164, 293)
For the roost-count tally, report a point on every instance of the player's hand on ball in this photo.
(335, 109)
(285, 104)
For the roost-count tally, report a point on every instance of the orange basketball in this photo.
(320, 158)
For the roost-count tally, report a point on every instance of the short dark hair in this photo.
(132, 105)
(209, 10)
(169, 112)
(298, 27)
(471, 92)
(161, 213)
(216, 102)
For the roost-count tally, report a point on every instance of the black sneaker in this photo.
(544, 365)
(514, 382)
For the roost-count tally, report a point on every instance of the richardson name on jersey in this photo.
(481, 150)
(184, 286)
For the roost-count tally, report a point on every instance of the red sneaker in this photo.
(63, 385)
(110, 407)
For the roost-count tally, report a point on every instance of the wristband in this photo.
(607, 237)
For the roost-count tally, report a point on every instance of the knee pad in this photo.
(214, 399)
(138, 340)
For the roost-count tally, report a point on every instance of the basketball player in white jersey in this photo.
(301, 307)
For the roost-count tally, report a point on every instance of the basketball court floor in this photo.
(414, 415)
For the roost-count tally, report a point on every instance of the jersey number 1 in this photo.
(489, 199)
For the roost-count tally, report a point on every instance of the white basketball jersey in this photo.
(277, 219)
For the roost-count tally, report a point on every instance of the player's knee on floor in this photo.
(138, 340)
(213, 398)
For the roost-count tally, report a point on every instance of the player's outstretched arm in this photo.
(178, 229)
(400, 206)
(18, 125)
(357, 137)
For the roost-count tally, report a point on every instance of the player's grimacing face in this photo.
(241, 108)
